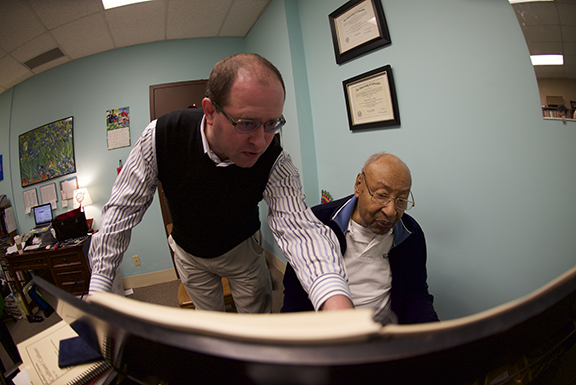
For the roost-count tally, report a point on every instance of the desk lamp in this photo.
(82, 199)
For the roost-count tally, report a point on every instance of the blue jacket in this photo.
(410, 299)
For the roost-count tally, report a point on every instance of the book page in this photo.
(287, 328)
(40, 357)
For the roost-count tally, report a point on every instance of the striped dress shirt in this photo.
(311, 247)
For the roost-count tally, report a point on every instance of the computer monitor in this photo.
(148, 343)
(42, 215)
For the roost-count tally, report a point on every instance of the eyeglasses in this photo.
(383, 199)
(245, 126)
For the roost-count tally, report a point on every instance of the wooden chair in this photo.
(185, 302)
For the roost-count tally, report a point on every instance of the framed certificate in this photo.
(358, 27)
(371, 99)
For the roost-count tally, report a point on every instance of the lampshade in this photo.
(81, 198)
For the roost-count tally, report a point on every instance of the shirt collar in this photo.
(211, 154)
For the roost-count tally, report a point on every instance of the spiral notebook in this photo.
(40, 357)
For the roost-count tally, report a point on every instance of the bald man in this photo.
(384, 249)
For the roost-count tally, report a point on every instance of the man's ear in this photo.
(358, 185)
(209, 110)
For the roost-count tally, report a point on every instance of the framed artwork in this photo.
(358, 27)
(371, 99)
(47, 152)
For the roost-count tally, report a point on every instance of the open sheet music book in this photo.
(40, 357)
(284, 328)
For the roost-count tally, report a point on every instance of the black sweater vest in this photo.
(213, 209)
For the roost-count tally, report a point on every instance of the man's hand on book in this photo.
(338, 302)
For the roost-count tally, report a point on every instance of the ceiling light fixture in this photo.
(525, 1)
(547, 60)
(119, 3)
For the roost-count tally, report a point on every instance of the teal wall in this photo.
(492, 179)
(493, 182)
(85, 89)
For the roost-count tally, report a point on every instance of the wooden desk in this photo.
(66, 267)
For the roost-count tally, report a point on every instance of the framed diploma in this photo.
(371, 99)
(358, 27)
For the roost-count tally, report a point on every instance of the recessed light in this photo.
(119, 3)
(525, 1)
(547, 60)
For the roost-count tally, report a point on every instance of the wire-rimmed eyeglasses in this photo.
(245, 126)
(383, 199)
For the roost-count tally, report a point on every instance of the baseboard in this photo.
(148, 279)
(169, 275)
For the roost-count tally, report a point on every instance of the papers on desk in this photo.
(32, 247)
(40, 357)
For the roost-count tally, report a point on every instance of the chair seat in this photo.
(185, 302)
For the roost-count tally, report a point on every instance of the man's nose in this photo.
(258, 137)
(389, 209)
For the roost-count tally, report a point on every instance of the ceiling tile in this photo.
(569, 48)
(567, 13)
(84, 37)
(34, 47)
(54, 13)
(18, 24)
(242, 17)
(542, 34)
(569, 33)
(195, 18)
(553, 72)
(141, 23)
(554, 48)
(536, 13)
(12, 72)
(51, 64)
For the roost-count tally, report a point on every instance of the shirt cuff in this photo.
(99, 283)
(328, 286)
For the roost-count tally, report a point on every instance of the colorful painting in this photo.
(47, 152)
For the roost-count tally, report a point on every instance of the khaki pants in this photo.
(244, 266)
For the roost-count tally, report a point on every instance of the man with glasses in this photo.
(216, 164)
(383, 248)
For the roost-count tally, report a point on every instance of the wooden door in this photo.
(169, 97)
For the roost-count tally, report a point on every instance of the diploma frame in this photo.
(354, 38)
(371, 99)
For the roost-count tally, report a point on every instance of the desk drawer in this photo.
(71, 279)
(28, 264)
(66, 260)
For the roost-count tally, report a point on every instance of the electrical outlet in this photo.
(136, 260)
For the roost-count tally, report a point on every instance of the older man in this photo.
(383, 248)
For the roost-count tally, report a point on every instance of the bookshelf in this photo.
(7, 232)
(7, 228)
